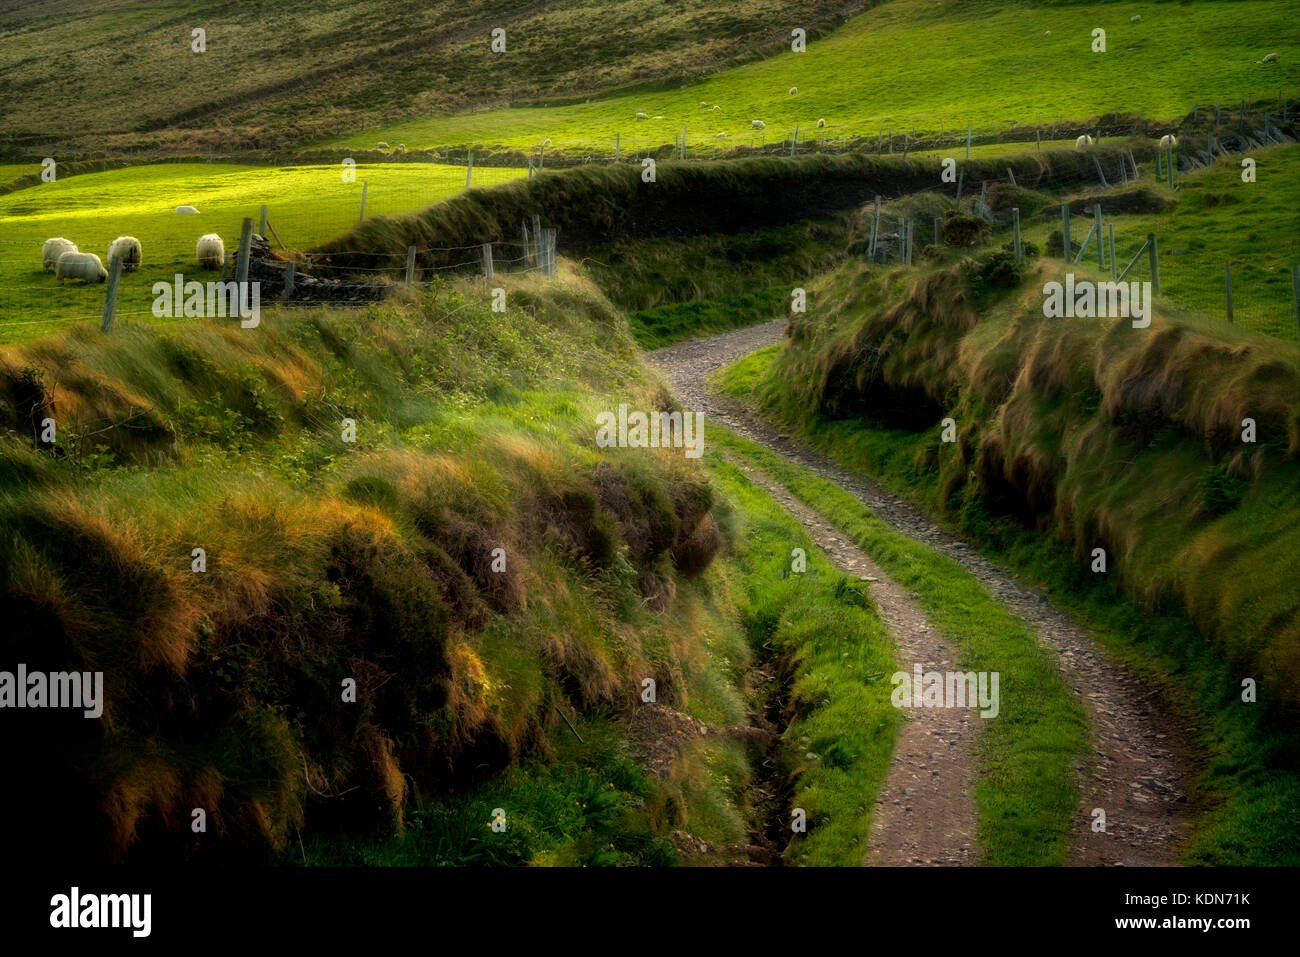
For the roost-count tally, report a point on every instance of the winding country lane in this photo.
(1141, 761)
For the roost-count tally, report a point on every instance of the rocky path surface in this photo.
(1142, 759)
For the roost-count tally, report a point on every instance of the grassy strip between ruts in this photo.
(1026, 792)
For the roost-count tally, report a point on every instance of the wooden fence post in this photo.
(245, 250)
(1011, 176)
(1227, 282)
(616, 147)
(1101, 246)
(968, 141)
(110, 291)
(938, 228)
(469, 168)
(523, 234)
(487, 262)
(410, 265)
(364, 187)
(541, 158)
(1169, 164)
(1015, 230)
(261, 226)
(1155, 263)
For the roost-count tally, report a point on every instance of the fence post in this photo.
(487, 262)
(261, 226)
(1227, 282)
(1011, 175)
(1015, 230)
(1169, 164)
(1101, 246)
(875, 225)
(1155, 263)
(968, 141)
(1114, 266)
(523, 235)
(616, 146)
(1038, 138)
(937, 227)
(794, 140)
(110, 291)
(961, 175)
(541, 158)
(1268, 135)
(537, 241)
(469, 168)
(410, 265)
(1065, 229)
(245, 249)
(364, 187)
(911, 238)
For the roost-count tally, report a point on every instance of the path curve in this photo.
(1142, 758)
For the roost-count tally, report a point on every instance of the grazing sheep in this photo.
(1168, 141)
(642, 116)
(128, 248)
(186, 211)
(1083, 141)
(401, 148)
(758, 124)
(716, 107)
(794, 90)
(703, 104)
(657, 117)
(382, 145)
(53, 249)
(80, 266)
(719, 136)
(210, 251)
(1136, 18)
(820, 124)
(1047, 33)
(1271, 58)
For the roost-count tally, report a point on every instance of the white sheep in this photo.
(210, 251)
(401, 148)
(1136, 18)
(703, 105)
(80, 266)
(642, 116)
(1271, 58)
(794, 90)
(128, 248)
(382, 145)
(53, 249)
(1168, 141)
(719, 136)
(657, 117)
(1083, 142)
(716, 107)
(821, 124)
(1047, 33)
(758, 124)
(186, 211)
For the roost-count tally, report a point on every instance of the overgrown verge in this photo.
(1073, 435)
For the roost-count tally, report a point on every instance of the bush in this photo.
(960, 229)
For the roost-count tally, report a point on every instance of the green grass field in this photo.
(307, 204)
(912, 63)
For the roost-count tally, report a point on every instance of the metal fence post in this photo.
(537, 240)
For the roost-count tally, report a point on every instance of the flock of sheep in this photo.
(68, 262)
(754, 124)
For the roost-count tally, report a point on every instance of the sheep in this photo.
(719, 136)
(128, 248)
(381, 145)
(1271, 58)
(53, 249)
(657, 117)
(210, 251)
(794, 90)
(821, 124)
(703, 105)
(401, 148)
(1168, 141)
(1047, 33)
(85, 266)
(1136, 18)
(642, 116)
(186, 211)
(716, 107)
(758, 124)
(1083, 141)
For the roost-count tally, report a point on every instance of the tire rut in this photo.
(1142, 760)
